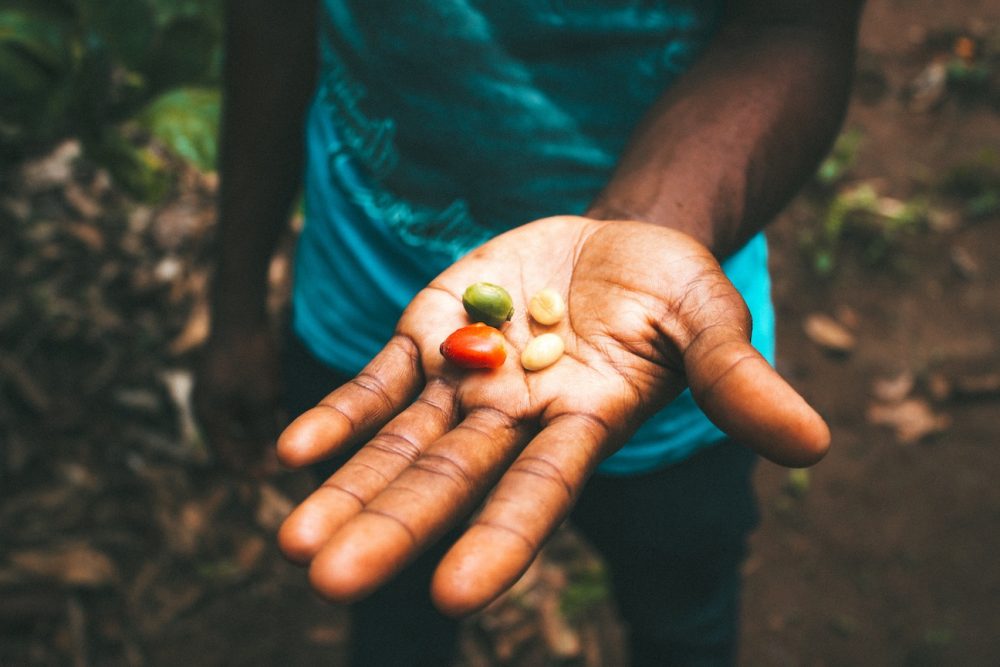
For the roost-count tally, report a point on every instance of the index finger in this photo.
(437, 490)
(530, 501)
(353, 412)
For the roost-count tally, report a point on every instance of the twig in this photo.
(76, 617)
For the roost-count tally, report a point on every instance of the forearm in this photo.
(269, 74)
(722, 152)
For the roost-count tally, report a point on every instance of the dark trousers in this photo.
(672, 541)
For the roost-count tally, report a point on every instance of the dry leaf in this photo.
(77, 565)
(272, 508)
(911, 420)
(24, 384)
(81, 202)
(180, 386)
(563, 641)
(88, 235)
(249, 552)
(528, 581)
(964, 263)
(508, 644)
(943, 219)
(195, 331)
(52, 170)
(168, 269)
(894, 389)
(929, 88)
(848, 317)
(829, 334)
(327, 634)
(176, 223)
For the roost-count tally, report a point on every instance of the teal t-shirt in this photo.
(438, 124)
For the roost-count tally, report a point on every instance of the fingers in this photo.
(439, 488)
(744, 396)
(529, 503)
(367, 473)
(357, 409)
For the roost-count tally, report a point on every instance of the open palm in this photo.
(649, 312)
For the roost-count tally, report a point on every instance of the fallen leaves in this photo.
(77, 565)
(929, 89)
(893, 389)
(559, 612)
(911, 406)
(829, 334)
(272, 508)
(981, 384)
(911, 420)
(24, 384)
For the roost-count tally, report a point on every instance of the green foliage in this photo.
(588, 586)
(841, 158)
(187, 120)
(797, 482)
(976, 183)
(970, 77)
(139, 168)
(874, 225)
(34, 54)
(855, 215)
(83, 67)
(125, 28)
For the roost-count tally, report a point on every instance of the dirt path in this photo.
(890, 557)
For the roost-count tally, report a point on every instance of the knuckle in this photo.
(372, 384)
(530, 543)
(545, 471)
(396, 445)
(445, 466)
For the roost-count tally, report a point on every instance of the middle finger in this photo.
(433, 493)
(368, 472)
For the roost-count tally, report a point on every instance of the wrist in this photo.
(699, 227)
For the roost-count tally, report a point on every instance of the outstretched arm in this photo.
(727, 146)
(649, 313)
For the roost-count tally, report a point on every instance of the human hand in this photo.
(649, 312)
(236, 398)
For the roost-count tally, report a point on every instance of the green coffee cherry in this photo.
(489, 303)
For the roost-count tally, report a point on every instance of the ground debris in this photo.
(326, 634)
(928, 90)
(561, 638)
(531, 623)
(911, 419)
(180, 387)
(74, 564)
(272, 507)
(964, 263)
(894, 389)
(969, 385)
(81, 202)
(829, 334)
(52, 170)
(24, 384)
(195, 331)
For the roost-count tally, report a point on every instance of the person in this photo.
(615, 151)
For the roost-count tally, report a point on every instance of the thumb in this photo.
(745, 397)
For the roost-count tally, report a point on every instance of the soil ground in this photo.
(118, 545)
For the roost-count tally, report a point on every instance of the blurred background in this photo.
(120, 543)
